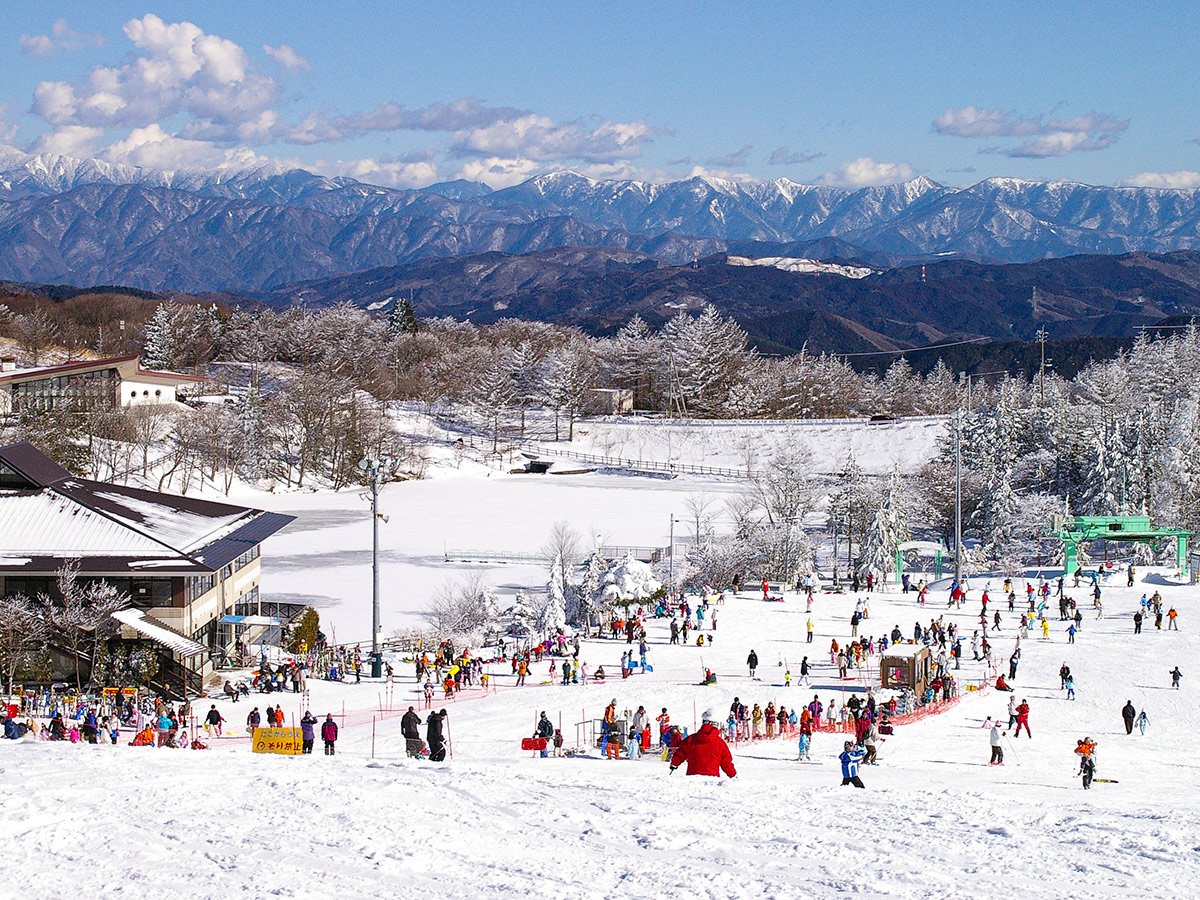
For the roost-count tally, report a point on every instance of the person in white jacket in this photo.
(997, 750)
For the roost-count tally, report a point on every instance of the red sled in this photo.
(533, 743)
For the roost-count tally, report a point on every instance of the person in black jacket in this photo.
(752, 662)
(433, 735)
(1128, 713)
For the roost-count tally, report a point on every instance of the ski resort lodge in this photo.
(116, 381)
(190, 567)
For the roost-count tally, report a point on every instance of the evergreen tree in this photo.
(160, 342)
(401, 319)
(889, 527)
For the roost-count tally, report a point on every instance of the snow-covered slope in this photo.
(934, 821)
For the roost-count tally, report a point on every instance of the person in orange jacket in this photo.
(705, 752)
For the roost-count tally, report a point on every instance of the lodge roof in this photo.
(129, 367)
(48, 515)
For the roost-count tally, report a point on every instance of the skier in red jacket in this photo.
(705, 752)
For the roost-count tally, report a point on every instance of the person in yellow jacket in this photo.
(756, 719)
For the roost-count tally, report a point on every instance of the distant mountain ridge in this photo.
(599, 290)
(258, 228)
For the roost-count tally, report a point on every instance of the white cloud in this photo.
(61, 39)
(184, 97)
(865, 172)
(1093, 131)
(534, 137)
(401, 173)
(972, 122)
(1178, 180)
(180, 69)
(153, 148)
(287, 57)
(499, 173)
(70, 140)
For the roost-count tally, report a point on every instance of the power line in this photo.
(978, 340)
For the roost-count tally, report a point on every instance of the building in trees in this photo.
(117, 381)
(189, 570)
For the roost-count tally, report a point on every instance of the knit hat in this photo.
(708, 718)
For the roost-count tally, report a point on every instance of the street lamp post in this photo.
(671, 563)
(377, 471)
(958, 497)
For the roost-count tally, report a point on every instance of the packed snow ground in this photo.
(492, 821)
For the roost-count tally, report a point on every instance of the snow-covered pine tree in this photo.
(553, 615)
(523, 615)
(401, 319)
(523, 373)
(633, 360)
(159, 349)
(889, 527)
(492, 394)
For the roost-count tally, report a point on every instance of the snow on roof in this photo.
(183, 529)
(46, 523)
(158, 632)
(903, 650)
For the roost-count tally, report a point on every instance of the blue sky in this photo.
(407, 94)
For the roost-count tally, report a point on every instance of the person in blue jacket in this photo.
(11, 731)
(851, 756)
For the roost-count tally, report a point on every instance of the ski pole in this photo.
(449, 740)
(1012, 750)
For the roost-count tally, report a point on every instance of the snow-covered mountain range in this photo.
(89, 221)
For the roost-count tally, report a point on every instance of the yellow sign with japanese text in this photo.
(287, 741)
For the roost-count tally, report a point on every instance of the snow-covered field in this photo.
(934, 821)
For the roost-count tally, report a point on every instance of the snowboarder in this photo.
(752, 662)
(705, 752)
(329, 734)
(997, 750)
(851, 756)
(1128, 713)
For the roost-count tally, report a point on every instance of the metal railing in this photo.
(634, 465)
(496, 556)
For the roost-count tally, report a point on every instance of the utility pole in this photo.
(377, 470)
(1041, 336)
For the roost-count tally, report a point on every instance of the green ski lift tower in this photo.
(1078, 530)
